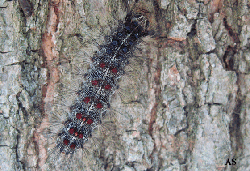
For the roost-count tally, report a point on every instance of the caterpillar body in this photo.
(93, 97)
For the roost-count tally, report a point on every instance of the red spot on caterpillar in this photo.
(90, 121)
(99, 106)
(94, 82)
(72, 146)
(80, 135)
(71, 130)
(102, 65)
(78, 115)
(76, 134)
(65, 142)
(86, 99)
(84, 119)
(107, 87)
(114, 70)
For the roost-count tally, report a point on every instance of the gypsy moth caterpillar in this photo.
(94, 95)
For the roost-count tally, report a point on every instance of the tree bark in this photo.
(182, 104)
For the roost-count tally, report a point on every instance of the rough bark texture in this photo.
(182, 105)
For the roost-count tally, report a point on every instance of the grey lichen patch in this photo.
(212, 145)
(221, 36)
(7, 159)
(175, 119)
(189, 8)
(243, 160)
(24, 99)
(127, 168)
(205, 74)
(133, 148)
(221, 83)
(181, 28)
(204, 33)
(8, 144)
(175, 94)
(148, 146)
(11, 87)
(245, 34)
(164, 4)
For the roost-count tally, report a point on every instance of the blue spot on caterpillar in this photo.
(101, 81)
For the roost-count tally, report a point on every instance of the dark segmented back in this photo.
(101, 82)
